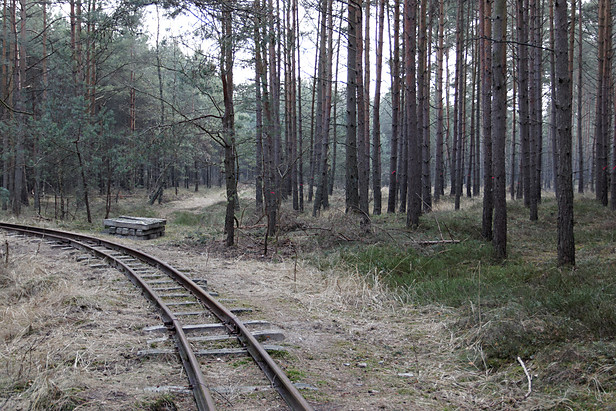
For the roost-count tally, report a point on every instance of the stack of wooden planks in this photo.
(137, 228)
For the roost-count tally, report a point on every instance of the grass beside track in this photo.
(561, 318)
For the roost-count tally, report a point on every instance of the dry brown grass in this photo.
(69, 335)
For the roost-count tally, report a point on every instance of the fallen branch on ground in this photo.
(528, 377)
(434, 242)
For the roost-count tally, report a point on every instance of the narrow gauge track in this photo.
(140, 268)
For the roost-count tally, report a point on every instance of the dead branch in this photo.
(434, 242)
(528, 377)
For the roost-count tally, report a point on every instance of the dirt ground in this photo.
(352, 342)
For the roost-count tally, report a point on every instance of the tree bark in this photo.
(395, 112)
(499, 127)
(259, 120)
(351, 182)
(580, 90)
(563, 101)
(601, 112)
(300, 172)
(228, 120)
(456, 170)
(424, 109)
(376, 131)
(523, 104)
(412, 130)
(363, 153)
(439, 178)
(486, 102)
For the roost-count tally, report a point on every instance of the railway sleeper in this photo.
(238, 389)
(124, 257)
(217, 352)
(168, 281)
(176, 295)
(264, 335)
(162, 289)
(205, 327)
(152, 275)
(138, 267)
(182, 303)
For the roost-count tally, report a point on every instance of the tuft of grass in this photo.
(49, 396)
(186, 218)
(295, 375)
(164, 402)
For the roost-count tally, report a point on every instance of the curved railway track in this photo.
(171, 291)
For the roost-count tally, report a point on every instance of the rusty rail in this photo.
(234, 326)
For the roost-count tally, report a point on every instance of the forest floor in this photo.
(360, 339)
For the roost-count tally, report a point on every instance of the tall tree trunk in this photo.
(533, 135)
(36, 142)
(538, 100)
(228, 120)
(293, 161)
(300, 172)
(499, 127)
(456, 171)
(376, 131)
(351, 183)
(514, 177)
(523, 106)
(485, 26)
(439, 177)
(259, 118)
(395, 112)
(323, 108)
(412, 130)
(474, 89)
(366, 88)
(84, 180)
(553, 105)
(580, 90)
(19, 68)
(563, 101)
(601, 112)
(363, 160)
(423, 112)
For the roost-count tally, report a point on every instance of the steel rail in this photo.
(235, 327)
(203, 397)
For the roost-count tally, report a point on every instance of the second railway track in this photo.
(194, 324)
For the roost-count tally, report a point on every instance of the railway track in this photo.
(192, 319)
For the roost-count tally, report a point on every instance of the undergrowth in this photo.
(525, 306)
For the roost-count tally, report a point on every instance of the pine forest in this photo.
(462, 152)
